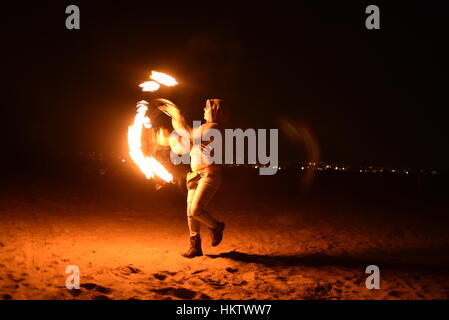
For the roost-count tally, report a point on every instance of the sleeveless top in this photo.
(201, 151)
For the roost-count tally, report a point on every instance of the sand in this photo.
(128, 247)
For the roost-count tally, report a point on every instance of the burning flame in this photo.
(163, 78)
(150, 86)
(148, 165)
(158, 78)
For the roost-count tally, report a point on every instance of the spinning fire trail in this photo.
(149, 166)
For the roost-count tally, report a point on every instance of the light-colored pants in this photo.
(197, 200)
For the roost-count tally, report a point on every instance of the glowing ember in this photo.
(147, 164)
(163, 78)
(150, 86)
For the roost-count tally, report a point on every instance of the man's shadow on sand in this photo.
(406, 260)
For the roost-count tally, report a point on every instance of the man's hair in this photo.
(218, 113)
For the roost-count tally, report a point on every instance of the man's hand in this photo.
(171, 110)
(178, 121)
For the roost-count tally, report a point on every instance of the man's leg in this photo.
(194, 230)
(194, 225)
(207, 187)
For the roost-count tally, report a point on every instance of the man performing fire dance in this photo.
(204, 179)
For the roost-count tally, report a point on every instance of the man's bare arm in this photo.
(178, 121)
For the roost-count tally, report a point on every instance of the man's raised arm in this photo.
(178, 121)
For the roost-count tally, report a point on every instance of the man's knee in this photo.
(195, 211)
(189, 208)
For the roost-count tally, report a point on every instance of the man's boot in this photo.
(195, 248)
(217, 234)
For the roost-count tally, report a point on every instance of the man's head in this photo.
(213, 110)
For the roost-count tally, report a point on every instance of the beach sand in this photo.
(127, 246)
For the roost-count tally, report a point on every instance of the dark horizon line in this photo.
(108, 156)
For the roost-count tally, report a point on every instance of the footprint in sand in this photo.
(134, 270)
(199, 271)
(14, 279)
(213, 283)
(74, 292)
(162, 275)
(159, 276)
(396, 293)
(93, 286)
(88, 286)
(181, 293)
(242, 283)
(128, 270)
(204, 296)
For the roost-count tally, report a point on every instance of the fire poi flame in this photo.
(149, 166)
(150, 86)
(163, 78)
(158, 79)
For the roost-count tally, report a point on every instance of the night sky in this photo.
(367, 96)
